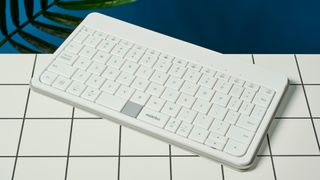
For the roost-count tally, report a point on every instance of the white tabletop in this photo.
(41, 138)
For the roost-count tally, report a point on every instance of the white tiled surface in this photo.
(94, 143)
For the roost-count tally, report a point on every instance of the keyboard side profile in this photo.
(177, 92)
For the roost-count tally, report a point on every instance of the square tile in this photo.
(43, 106)
(309, 66)
(6, 167)
(317, 126)
(191, 168)
(45, 137)
(135, 143)
(16, 68)
(13, 101)
(297, 168)
(282, 63)
(93, 168)
(179, 151)
(94, 137)
(79, 113)
(155, 168)
(313, 94)
(40, 169)
(263, 169)
(293, 137)
(9, 136)
(293, 104)
(42, 61)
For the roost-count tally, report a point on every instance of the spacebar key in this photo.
(111, 101)
(153, 117)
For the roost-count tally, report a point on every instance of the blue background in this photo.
(227, 26)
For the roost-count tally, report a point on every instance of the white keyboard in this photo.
(175, 91)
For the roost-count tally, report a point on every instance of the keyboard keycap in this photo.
(131, 109)
(90, 94)
(110, 101)
(62, 69)
(172, 125)
(187, 115)
(153, 117)
(235, 148)
(76, 88)
(203, 121)
(61, 83)
(184, 129)
(48, 77)
(198, 134)
(240, 134)
(155, 103)
(171, 109)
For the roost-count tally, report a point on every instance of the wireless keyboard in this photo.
(180, 93)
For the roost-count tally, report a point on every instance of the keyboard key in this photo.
(201, 106)
(124, 92)
(81, 76)
(219, 127)
(177, 70)
(186, 100)
(162, 65)
(159, 77)
(120, 50)
(62, 69)
(180, 62)
(155, 89)
(61, 83)
(165, 57)
(140, 98)
(67, 57)
(90, 94)
(240, 134)
(236, 91)
(235, 148)
(194, 66)
(106, 46)
(92, 41)
(192, 76)
(48, 77)
(184, 129)
(208, 71)
(115, 62)
(258, 112)
(144, 72)
(205, 93)
(153, 117)
(203, 121)
(174, 83)
(125, 78)
(214, 144)
(187, 115)
(246, 108)
(95, 81)
(172, 125)
(234, 104)
(148, 60)
(248, 123)
(131, 109)
(74, 47)
(76, 88)
(223, 86)
(171, 109)
(96, 68)
(189, 88)
(140, 84)
(262, 99)
(110, 101)
(218, 112)
(111, 73)
(266, 91)
(198, 134)
(101, 57)
(251, 86)
(237, 81)
(130, 67)
(80, 37)
(87, 52)
(220, 99)
(207, 81)
(222, 76)
(134, 55)
(110, 87)
(155, 103)
(248, 95)
(232, 117)
(82, 63)
(170, 95)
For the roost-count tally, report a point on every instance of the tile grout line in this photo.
(222, 172)
(119, 151)
(23, 122)
(271, 157)
(170, 162)
(308, 105)
(69, 145)
(269, 146)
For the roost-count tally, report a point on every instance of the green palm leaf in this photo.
(64, 23)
